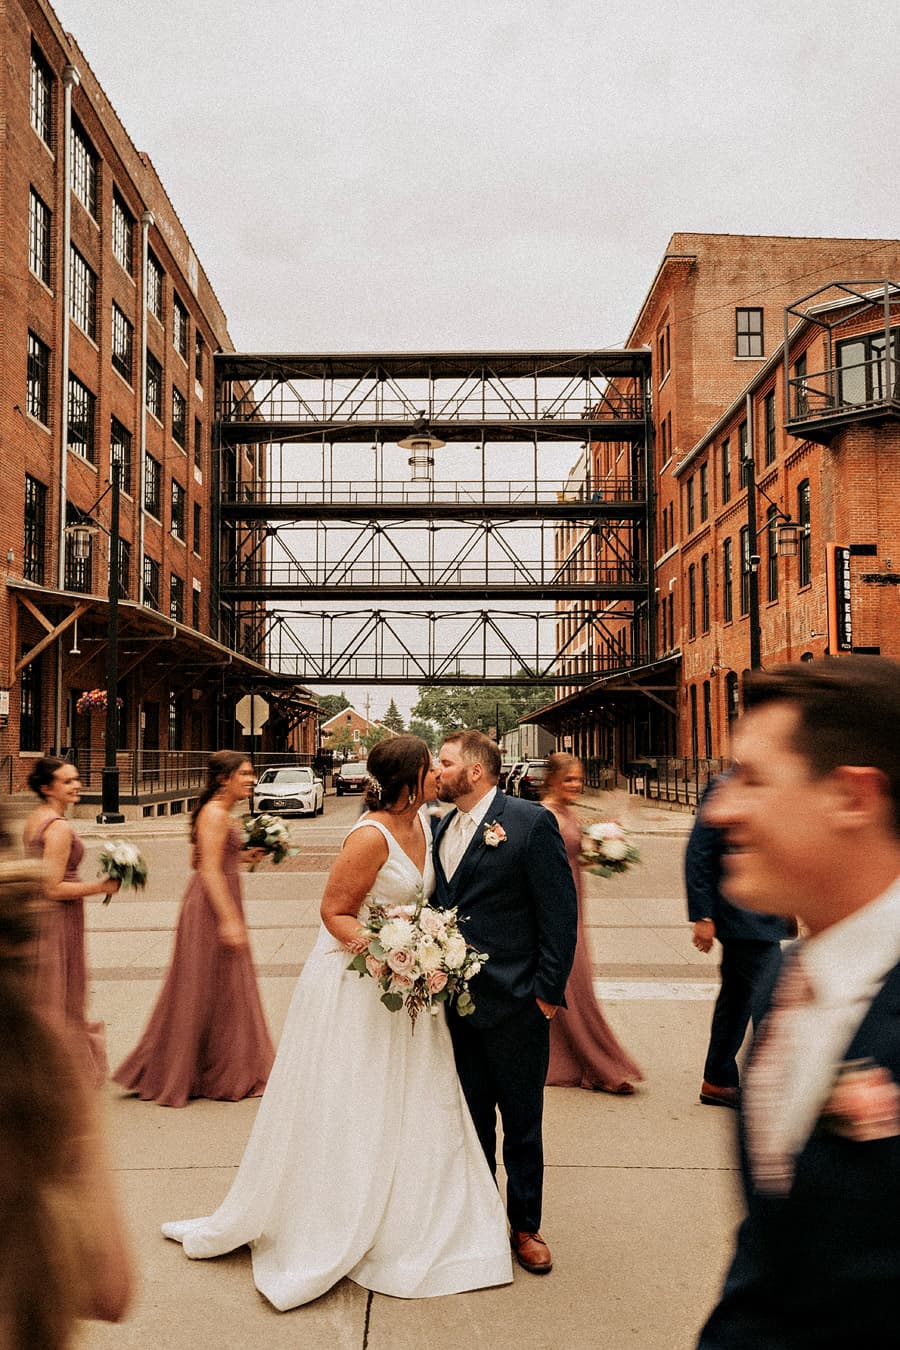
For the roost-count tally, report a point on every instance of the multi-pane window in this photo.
(38, 388)
(748, 326)
(694, 742)
(122, 343)
(179, 498)
(732, 698)
(745, 569)
(176, 728)
(198, 528)
(41, 96)
(124, 569)
(154, 287)
(154, 387)
(34, 552)
(704, 593)
(195, 608)
(82, 293)
(805, 554)
(704, 491)
(179, 417)
(153, 486)
(176, 598)
(123, 234)
(39, 237)
(692, 600)
(198, 443)
(707, 719)
(726, 472)
(861, 367)
(79, 570)
(198, 356)
(82, 420)
(663, 351)
(801, 398)
(689, 496)
(120, 452)
(769, 425)
(772, 553)
(727, 582)
(742, 454)
(151, 582)
(84, 168)
(30, 686)
(179, 327)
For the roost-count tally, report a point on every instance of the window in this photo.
(861, 367)
(82, 420)
(84, 168)
(176, 598)
(689, 496)
(664, 627)
(30, 687)
(123, 234)
(707, 719)
(120, 452)
(41, 95)
(692, 600)
(801, 399)
(38, 392)
(727, 582)
(153, 486)
(122, 344)
(154, 387)
(664, 440)
(179, 417)
(179, 327)
(748, 332)
(694, 745)
(772, 553)
(198, 528)
(726, 472)
(82, 294)
(178, 510)
(175, 723)
(124, 569)
(39, 237)
(732, 706)
(198, 442)
(151, 582)
(805, 554)
(769, 425)
(195, 608)
(34, 552)
(79, 571)
(745, 569)
(742, 453)
(704, 491)
(198, 357)
(154, 287)
(704, 593)
(664, 353)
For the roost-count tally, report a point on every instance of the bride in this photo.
(363, 1160)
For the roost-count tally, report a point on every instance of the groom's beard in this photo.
(449, 792)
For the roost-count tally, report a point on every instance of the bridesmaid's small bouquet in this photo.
(270, 834)
(417, 957)
(606, 849)
(124, 863)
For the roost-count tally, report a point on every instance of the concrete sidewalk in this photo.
(641, 1192)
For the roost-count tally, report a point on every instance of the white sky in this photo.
(423, 174)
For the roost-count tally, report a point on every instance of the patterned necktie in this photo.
(768, 1080)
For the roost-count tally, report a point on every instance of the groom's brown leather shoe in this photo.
(710, 1095)
(531, 1252)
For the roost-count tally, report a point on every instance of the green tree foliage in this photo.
(343, 745)
(427, 732)
(373, 736)
(392, 718)
(478, 706)
(329, 704)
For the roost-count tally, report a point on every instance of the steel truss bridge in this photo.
(337, 566)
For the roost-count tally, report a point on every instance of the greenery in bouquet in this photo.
(124, 863)
(607, 850)
(270, 834)
(418, 958)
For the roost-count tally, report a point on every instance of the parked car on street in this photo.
(531, 782)
(351, 777)
(288, 789)
(513, 776)
(505, 768)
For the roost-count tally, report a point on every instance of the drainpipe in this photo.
(146, 221)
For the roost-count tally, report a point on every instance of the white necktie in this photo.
(458, 835)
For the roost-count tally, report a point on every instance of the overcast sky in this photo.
(424, 174)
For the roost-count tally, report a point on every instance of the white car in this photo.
(290, 787)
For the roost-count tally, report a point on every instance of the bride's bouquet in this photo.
(270, 834)
(418, 957)
(124, 863)
(606, 849)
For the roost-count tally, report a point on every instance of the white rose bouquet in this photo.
(124, 863)
(606, 849)
(270, 834)
(418, 957)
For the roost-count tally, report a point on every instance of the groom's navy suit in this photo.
(517, 903)
(819, 1268)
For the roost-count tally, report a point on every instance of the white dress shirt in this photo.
(459, 832)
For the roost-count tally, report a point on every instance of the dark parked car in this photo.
(351, 777)
(531, 782)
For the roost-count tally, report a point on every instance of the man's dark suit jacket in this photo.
(819, 1268)
(516, 902)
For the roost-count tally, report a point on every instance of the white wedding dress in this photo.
(363, 1160)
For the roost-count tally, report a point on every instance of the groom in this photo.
(502, 862)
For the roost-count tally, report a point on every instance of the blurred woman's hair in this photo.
(395, 763)
(219, 767)
(558, 765)
(43, 772)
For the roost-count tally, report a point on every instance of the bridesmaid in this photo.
(207, 1035)
(60, 972)
(583, 1050)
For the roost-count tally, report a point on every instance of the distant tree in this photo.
(392, 719)
(329, 704)
(484, 707)
(427, 732)
(342, 744)
(373, 736)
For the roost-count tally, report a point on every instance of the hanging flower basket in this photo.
(94, 700)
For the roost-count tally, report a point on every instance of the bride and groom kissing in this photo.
(373, 1153)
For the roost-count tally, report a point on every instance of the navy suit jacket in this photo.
(819, 1268)
(517, 902)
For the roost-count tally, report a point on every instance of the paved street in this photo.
(641, 1195)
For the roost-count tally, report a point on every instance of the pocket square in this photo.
(864, 1103)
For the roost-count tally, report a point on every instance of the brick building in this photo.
(740, 451)
(108, 325)
(346, 731)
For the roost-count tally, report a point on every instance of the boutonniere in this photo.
(864, 1103)
(494, 834)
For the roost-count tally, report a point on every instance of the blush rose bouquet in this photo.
(270, 834)
(606, 849)
(417, 956)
